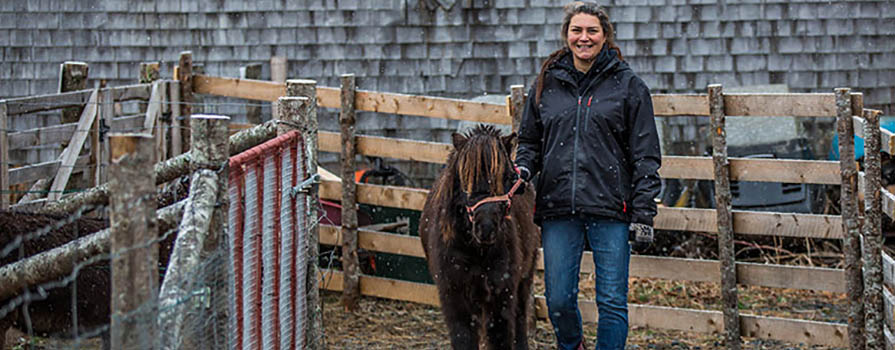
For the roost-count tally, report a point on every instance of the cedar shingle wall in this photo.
(454, 48)
(475, 47)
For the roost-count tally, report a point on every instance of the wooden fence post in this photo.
(726, 253)
(252, 71)
(72, 77)
(350, 265)
(215, 157)
(176, 119)
(149, 73)
(517, 105)
(185, 77)
(186, 324)
(308, 89)
(163, 123)
(290, 118)
(849, 208)
(106, 114)
(96, 141)
(290, 108)
(873, 238)
(133, 227)
(4, 157)
(278, 73)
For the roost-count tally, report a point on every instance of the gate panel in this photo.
(268, 309)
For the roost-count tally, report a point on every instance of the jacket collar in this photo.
(564, 68)
(604, 58)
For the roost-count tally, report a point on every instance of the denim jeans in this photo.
(564, 240)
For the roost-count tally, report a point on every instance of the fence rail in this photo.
(34, 104)
(679, 269)
(889, 299)
(682, 219)
(265, 310)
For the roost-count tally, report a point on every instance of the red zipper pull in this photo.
(588, 100)
(579, 100)
(624, 207)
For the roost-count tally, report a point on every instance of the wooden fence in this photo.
(842, 104)
(722, 220)
(191, 306)
(98, 117)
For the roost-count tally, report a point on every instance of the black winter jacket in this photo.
(593, 141)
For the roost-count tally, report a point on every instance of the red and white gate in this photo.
(267, 245)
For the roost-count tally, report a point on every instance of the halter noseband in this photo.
(502, 198)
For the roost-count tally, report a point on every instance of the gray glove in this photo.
(640, 233)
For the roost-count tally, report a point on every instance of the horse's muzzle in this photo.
(485, 226)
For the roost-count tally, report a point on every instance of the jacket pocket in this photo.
(623, 185)
(618, 191)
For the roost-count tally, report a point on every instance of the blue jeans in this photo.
(563, 240)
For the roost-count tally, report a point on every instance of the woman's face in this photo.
(585, 38)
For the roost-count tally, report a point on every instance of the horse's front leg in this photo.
(523, 298)
(501, 318)
(463, 319)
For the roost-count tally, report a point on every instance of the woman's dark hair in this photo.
(570, 10)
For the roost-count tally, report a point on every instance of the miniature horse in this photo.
(481, 242)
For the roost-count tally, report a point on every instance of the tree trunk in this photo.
(60, 261)
(180, 313)
(164, 171)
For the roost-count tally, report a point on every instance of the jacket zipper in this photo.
(577, 120)
(575, 155)
(575, 149)
(586, 114)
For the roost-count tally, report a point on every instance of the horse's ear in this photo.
(458, 139)
(509, 142)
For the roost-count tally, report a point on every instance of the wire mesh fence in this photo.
(262, 265)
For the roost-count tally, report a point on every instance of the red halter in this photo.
(503, 198)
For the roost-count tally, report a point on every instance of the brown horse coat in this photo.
(482, 262)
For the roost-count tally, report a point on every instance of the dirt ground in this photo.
(388, 324)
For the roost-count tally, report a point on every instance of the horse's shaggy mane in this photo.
(479, 156)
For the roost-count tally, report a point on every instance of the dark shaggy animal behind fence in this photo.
(480, 247)
(52, 315)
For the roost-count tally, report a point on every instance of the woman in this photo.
(588, 130)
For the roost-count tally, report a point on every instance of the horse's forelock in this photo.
(481, 156)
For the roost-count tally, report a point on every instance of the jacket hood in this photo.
(608, 57)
